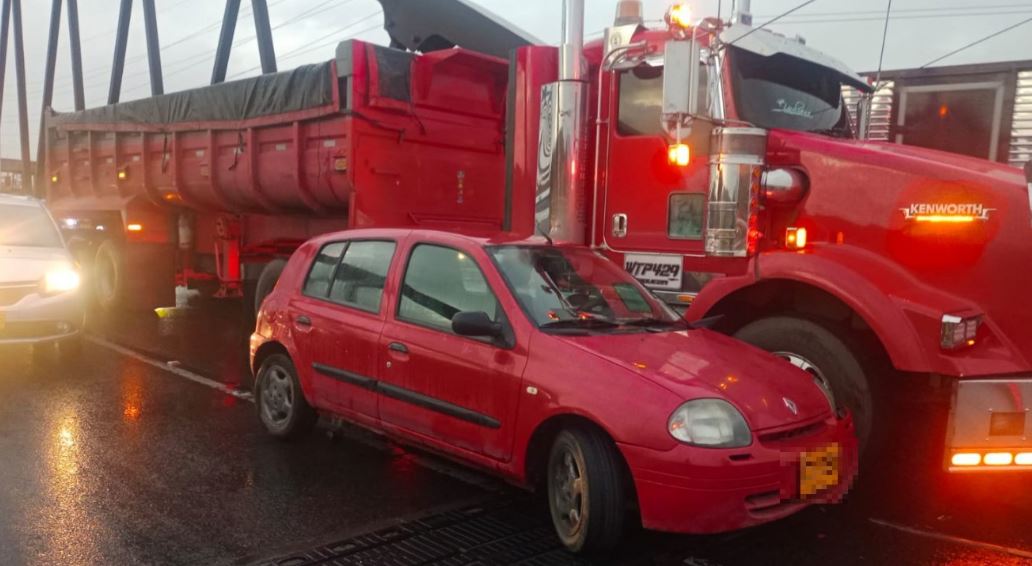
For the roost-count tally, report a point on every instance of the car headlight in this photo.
(61, 280)
(712, 423)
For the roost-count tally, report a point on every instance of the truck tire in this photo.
(820, 352)
(282, 407)
(267, 282)
(108, 281)
(586, 491)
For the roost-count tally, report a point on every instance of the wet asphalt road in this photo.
(121, 461)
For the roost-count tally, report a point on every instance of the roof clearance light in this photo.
(134, 227)
(795, 238)
(679, 16)
(679, 154)
(1023, 459)
(998, 459)
(966, 459)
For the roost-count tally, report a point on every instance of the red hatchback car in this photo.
(550, 366)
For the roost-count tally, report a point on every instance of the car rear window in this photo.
(317, 284)
(360, 276)
(28, 226)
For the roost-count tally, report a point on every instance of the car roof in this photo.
(479, 238)
(19, 200)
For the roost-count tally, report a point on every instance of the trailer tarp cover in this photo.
(310, 86)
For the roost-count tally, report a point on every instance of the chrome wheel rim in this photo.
(569, 493)
(277, 397)
(810, 368)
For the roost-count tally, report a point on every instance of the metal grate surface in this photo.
(495, 534)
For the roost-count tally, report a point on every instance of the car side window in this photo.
(317, 284)
(441, 282)
(360, 277)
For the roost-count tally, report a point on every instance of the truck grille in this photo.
(12, 294)
(1021, 123)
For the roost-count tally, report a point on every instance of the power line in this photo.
(910, 10)
(976, 42)
(884, 37)
(880, 18)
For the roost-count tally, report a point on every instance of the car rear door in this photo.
(344, 310)
(433, 383)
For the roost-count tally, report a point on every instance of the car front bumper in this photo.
(699, 490)
(39, 319)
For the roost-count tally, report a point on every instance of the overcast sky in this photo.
(306, 31)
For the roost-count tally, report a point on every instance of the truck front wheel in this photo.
(820, 352)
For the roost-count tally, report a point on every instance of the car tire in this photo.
(282, 407)
(586, 493)
(821, 352)
(108, 277)
(267, 282)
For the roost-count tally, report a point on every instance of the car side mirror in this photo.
(476, 324)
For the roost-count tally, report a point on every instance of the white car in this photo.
(40, 299)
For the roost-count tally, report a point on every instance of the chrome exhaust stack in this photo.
(562, 204)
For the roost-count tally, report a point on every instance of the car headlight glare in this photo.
(61, 280)
(712, 423)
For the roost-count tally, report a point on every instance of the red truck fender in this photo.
(902, 311)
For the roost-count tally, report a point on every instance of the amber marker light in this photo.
(134, 227)
(795, 238)
(122, 174)
(1023, 459)
(679, 15)
(679, 154)
(966, 459)
(998, 459)
(945, 219)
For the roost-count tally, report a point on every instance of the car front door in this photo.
(446, 388)
(345, 310)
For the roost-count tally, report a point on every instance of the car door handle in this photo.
(397, 347)
(303, 321)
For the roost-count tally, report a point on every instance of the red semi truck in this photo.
(715, 160)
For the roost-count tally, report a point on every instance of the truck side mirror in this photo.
(680, 83)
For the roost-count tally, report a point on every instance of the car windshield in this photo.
(785, 92)
(562, 287)
(28, 226)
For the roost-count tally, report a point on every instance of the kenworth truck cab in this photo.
(727, 175)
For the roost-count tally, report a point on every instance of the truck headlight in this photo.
(60, 280)
(712, 423)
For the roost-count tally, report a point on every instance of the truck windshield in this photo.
(28, 226)
(787, 93)
(561, 287)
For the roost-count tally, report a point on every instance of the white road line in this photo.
(958, 540)
(175, 370)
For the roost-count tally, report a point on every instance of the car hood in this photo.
(703, 364)
(28, 265)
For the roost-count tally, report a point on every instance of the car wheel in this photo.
(108, 279)
(821, 353)
(282, 407)
(267, 281)
(586, 491)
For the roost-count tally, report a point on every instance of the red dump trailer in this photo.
(209, 187)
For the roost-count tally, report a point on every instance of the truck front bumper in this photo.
(700, 490)
(990, 426)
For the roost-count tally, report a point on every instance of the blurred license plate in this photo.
(818, 470)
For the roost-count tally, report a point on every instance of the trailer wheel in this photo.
(109, 276)
(267, 282)
(820, 352)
